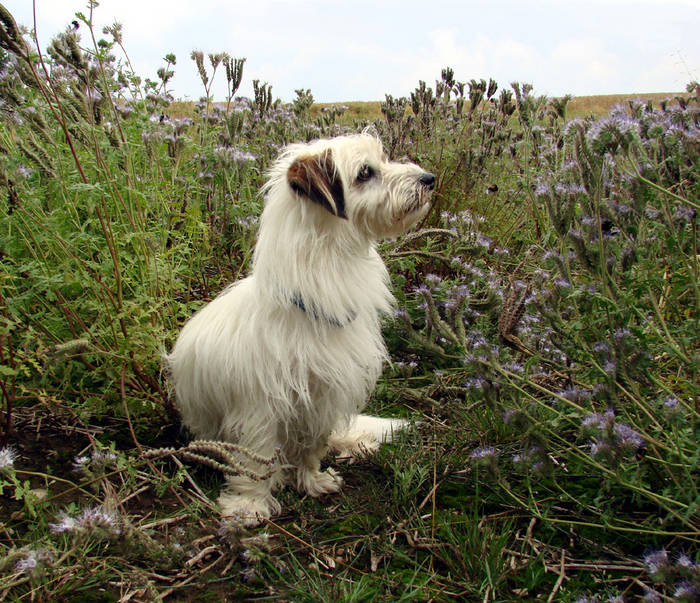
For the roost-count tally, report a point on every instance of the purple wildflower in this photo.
(423, 290)
(600, 448)
(28, 564)
(686, 563)
(93, 95)
(23, 171)
(601, 348)
(652, 213)
(542, 189)
(622, 335)
(241, 157)
(657, 563)
(651, 596)
(92, 521)
(484, 241)
(610, 368)
(684, 214)
(686, 591)
(510, 415)
(550, 254)
(475, 383)
(574, 394)
(8, 456)
(627, 438)
(670, 404)
(433, 280)
(484, 453)
(248, 574)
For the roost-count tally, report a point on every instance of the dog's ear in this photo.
(315, 177)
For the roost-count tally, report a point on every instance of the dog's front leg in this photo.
(310, 479)
(249, 500)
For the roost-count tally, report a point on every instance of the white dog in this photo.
(283, 361)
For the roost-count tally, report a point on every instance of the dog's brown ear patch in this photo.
(315, 177)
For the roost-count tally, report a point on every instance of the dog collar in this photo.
(331, 320)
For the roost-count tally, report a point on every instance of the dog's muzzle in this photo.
(427, 180)
(426, 184)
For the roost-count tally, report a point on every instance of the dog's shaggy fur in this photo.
(283, 361)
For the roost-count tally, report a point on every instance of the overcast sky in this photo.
(361, 49)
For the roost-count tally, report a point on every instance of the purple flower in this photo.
(542, 189)
(484, 453)
(656, 563)
(400, 313)
(652, 213)
(622, 335)
(685, 563)
(248, 574)
(670, 403)
(423, 290)
(686, 591)
(684, 214)
(93, 521)
(509, 415)
(600, 448)
(601, 348)
(8, 456)
(433, 280)
(651, 596)
(609, 367)
(475, 383)
(24, 171)
(574, 394)
(550, 254)
(28, 564)
(484, 241)
(627, 438)
(247, 221)
(243, 156)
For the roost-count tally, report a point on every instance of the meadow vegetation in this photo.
(545, 337)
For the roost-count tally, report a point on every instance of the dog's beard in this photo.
(414, 209)
(421, 198)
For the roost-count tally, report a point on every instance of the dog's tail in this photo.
(364, 434)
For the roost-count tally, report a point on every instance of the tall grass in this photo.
(546, 337)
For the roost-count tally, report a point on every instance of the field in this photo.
(544, 341)
(580, 106)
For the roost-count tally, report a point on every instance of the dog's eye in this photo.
(365, 173)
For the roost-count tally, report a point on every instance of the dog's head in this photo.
(350, 178)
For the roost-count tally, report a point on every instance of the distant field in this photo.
(597, 105)
(578, 107)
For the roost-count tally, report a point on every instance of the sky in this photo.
(360, 50)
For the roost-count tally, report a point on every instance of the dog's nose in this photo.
(428, 180)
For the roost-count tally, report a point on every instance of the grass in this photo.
(545, 337)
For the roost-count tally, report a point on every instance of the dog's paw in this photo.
(245, 510)
(318, 483)
(359, 447)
